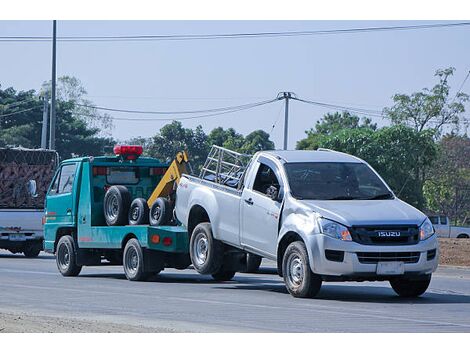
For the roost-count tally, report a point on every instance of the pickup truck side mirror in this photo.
(273, 193)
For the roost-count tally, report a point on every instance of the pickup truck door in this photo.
(259, 213)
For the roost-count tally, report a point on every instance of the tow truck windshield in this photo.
(335, 181)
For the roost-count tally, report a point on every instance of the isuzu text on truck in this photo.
(321, 215)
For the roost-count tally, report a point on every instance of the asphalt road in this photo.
(186, 301)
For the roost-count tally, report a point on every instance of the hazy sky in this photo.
(360, 70)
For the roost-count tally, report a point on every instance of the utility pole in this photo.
(44, 121)
(53, 87)
(286, 96)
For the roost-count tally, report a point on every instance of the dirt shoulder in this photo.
(16, 323)
(454, 251)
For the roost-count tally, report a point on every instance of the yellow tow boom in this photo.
(173, 175)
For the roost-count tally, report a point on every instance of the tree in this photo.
(256, 141)
(431, 108)
(173, 138)
(447, 190)
(228, 138)
(400, 155)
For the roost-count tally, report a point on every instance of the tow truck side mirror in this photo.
(32, 188)
(273, 193)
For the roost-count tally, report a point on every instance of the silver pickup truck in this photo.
(321, 215)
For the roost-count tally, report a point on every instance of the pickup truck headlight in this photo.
(335, 230)
(426, 230)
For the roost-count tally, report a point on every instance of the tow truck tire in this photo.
(32, 251)
(411, 287)
(207, 254)
(116, 205)
(223, 275)
(133, 261)
(253, 262)
(300, 281)
(160, 212)
(139, 212)
(66, 257)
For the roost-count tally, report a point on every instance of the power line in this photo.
(227, 108)
(374, 113)
(18, 112)
(16, 103)
(152, 37)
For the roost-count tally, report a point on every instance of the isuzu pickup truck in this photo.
(321, 215)
(444, 229)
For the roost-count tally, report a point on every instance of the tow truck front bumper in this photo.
(344, 260)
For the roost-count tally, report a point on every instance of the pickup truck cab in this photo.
(76, 230)
(321, 215)
(444, 229)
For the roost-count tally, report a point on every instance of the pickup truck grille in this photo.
(385, 235)
(375, 257)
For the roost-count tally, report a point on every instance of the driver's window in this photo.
(265, 178)
(63, 183)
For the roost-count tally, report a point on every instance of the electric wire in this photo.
(18, 112)
(229, 35)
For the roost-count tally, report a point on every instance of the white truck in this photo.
(25, 175)
(321, 215)
(444, 229)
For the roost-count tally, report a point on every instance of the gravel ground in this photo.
(454, 251)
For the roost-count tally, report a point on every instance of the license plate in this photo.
(17, 237)
(390, 268)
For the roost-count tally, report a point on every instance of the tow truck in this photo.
(116, 210)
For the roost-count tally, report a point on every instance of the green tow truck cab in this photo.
(75, 228)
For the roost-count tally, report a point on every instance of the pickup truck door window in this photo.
(259, 212)
(60, 197)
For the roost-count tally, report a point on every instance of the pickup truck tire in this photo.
(223, 275)
(160, 212)
(253, 262)
(32, 251)
(116, 205)
(139, 212)
(410, 287)
(133, 261)
(207, 254)
(300, 281)
(66, 257)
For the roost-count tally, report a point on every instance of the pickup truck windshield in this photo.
(335, 181)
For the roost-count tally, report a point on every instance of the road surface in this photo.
(33, 294)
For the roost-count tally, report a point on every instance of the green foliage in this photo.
(334, 122)
(431, 108)
(230, 139)
(398, 153)
(256, 141)
(447, 190)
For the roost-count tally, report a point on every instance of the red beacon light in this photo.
(128, 152)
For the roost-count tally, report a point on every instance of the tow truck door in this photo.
(259, 213)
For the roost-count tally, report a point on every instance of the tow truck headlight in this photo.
(426, 230)
(335, 230)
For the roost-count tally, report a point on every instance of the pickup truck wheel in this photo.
(66, 257)
(116, 205)
(411, 287)
(223, 275)
(139, 212)
(160, 212)
(133, 261)
(253, 262)
(32, 251)
(206, 253)
(300, 281)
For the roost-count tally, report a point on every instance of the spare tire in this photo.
(138, 212)
(161, 212)
(116, 205)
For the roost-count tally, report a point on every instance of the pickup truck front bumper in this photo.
(344, 260)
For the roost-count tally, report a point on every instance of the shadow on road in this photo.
(21, 256)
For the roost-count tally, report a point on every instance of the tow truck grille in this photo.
(375, 257)
(385, 235)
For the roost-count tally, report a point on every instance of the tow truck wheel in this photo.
(411, 287)
(300, 281)
(206, 253)
(160, 212)
(66, 257)
(116, 205)
(138, 212)
(32, 251)
(223, 275)
(133, 261)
